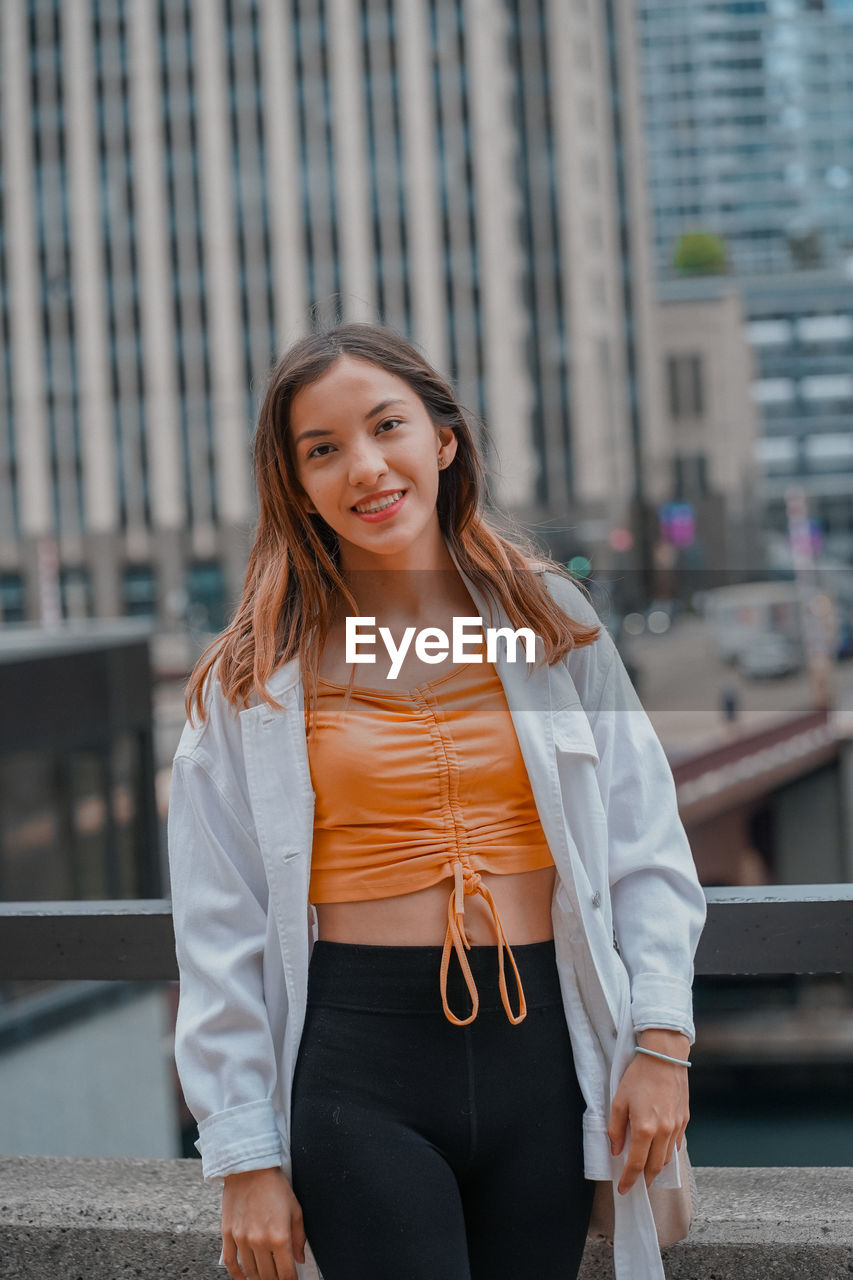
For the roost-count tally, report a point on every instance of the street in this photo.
(681, 680)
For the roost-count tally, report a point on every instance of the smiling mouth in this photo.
(371, 508)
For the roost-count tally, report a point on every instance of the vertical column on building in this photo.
(423, 205)
(351, 161)
(31, 435)
(167, 497)
(643, 329)
(9, 541)
(97, 442)
(508, 391)
(602, 464)
(231, 430)
(282, 159)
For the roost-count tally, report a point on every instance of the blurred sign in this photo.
(677, 523)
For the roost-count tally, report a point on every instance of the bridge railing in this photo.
(763, 929)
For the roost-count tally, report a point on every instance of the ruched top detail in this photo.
(418, 786)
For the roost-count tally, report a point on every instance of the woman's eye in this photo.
(315, 452)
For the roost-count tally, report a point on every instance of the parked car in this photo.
(767, 656)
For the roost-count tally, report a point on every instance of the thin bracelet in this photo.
(664, 1057)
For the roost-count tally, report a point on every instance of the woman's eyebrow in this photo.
(384, 405)
(323, 431)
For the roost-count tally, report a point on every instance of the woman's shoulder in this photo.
(214, 738)
(565, 592)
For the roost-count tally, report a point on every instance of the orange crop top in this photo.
(416, 786)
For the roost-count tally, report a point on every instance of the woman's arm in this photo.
(657, 902)
(223, 1046)
(658, 905)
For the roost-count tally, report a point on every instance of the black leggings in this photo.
(427, 1151)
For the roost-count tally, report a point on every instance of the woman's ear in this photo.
(448, 444)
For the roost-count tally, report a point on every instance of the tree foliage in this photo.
(700, 253)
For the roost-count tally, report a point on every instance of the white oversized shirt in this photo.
(240, 838)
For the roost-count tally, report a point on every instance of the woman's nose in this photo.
(367, 463)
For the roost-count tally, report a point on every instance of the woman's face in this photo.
(362, 436)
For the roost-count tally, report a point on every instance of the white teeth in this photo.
(382, 503)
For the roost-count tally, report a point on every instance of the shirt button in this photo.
(596, 899)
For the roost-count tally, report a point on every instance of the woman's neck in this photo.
(411, 588)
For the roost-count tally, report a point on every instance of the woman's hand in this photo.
(262, 1221)
(652, 1097)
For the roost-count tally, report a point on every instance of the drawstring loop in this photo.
(467, 881)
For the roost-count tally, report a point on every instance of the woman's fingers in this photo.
(297, 1234)
(671, 1147)
(264, 1263)
(230, 1258)
(657, 1157)
(649, 1151)
(638, 1152)
(618, 1125)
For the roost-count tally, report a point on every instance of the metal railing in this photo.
(765, 929)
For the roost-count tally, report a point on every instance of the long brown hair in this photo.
(294, 574)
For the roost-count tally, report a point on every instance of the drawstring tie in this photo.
(467, 881)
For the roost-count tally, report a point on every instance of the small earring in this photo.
(442, 462)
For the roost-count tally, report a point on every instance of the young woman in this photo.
(435, 913)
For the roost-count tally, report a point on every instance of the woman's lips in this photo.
(384, 514)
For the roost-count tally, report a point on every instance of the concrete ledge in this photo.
(107, 1218)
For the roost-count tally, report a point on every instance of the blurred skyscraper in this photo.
(189, 184)
(748, 110)
(748, 117)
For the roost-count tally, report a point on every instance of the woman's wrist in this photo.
(246, 1175)
(663, 1044)
(665, 1040)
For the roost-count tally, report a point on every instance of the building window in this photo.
(827, 386)
(777, 453)
(12, 598)
(75, 593)
(769, 333)
(827, 328)
(690, 476)
(685, 381)
(139, 589)
(206, 596)
(773, 391)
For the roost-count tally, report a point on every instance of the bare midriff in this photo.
(420, 919)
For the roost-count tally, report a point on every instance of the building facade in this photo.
(714, 425)
(748, 109)
(190, 185)
(748, 106)
(801, 331)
